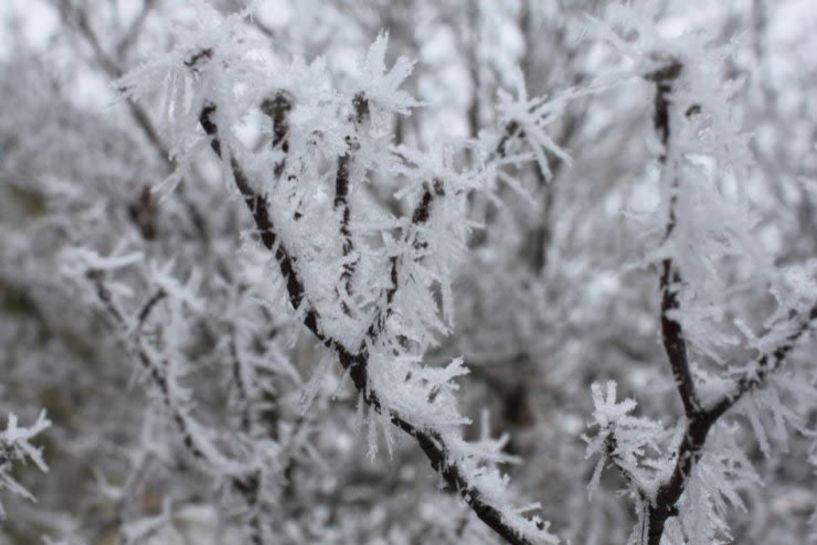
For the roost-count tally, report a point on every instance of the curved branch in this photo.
(356, 362)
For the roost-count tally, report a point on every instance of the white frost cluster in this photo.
(704, 232)
(373, 281)
(629, 443)
(16, 448)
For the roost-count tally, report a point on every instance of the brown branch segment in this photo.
(360, 105)
(277, 109)
(343, 182)
(673, 337)
(700, 423)
(699, 420)
(672, 332)
(259, 208)
(355, 363)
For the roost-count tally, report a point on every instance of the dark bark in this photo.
(699, 420)
(356, 362)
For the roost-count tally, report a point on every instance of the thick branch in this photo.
(259, 208)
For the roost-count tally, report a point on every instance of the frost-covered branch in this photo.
(670, 283)
(755, 374)
(77, 17)
(388, 331)
(434, 444)
(683, 488)
(343, 180)
(372, 230)
(163, 376)
(699, 424)
(700, 420)
(16, 448)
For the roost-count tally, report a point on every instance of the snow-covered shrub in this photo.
(331, 272)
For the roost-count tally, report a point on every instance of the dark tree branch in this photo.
(699, 420)
(342, 183)
(242, 389)
(277, 109)
(764, 365)
(148, 307)
(419, 217)
(611, 450)
(670, 281)
(512, 130)
(672, 332)
(356, 362)
(259, 208)
(673, 336)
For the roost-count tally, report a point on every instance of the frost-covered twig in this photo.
(757, 372)
(699, 420)
(343, 181)
(699, 424)
(16, 447)
(670, 282)
(77, 17)
(621, 439)
(196, 437)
